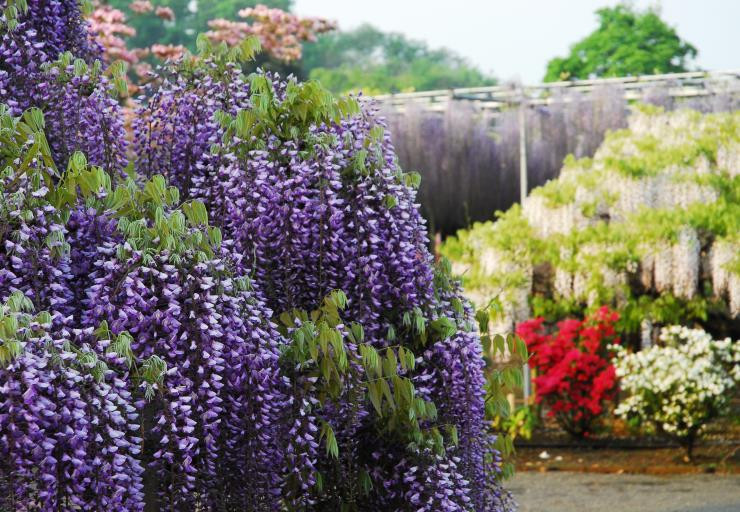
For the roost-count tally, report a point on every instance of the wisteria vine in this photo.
(245, 317)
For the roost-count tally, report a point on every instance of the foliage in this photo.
(680, 385)
(520, 423)
(627, 42)
(376, 62)
(162, 377)
(575, 375)
(504, 357)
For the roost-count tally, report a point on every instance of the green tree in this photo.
(628, 42)
(375, 61)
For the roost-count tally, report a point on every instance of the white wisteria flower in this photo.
(680, 385)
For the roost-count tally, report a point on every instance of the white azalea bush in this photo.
(680, 385)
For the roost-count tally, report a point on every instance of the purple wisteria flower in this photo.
(68, 429)
(159, 377)
(213, 419)
(324, 209)
(45, 30)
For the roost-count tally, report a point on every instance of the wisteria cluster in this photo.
(48, 62)
(158, 376)
(47, 29)
(315, 205)
(69, 429)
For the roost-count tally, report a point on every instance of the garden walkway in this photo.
(591, 492)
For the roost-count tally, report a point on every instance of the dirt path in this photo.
(588, 492)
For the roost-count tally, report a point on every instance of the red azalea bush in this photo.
(575, 373)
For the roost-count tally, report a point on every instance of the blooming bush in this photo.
(265, 331)
(575, 374)
(680, 385)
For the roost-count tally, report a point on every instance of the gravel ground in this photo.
(587, 492)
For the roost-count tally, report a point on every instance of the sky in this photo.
(514, 39)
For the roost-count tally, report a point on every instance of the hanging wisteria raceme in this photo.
(454, 379)
(176, 127)
(82, 114)
(67, 423)
(212, 420)
(314, 200)
(37, 37)
(33, 231)
(48, 62)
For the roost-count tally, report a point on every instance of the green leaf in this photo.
(357, 332)
(390, 201)
(510, 342)
(386, 389)
(249, 48)
(313, 348)
(452, 432)
(487, 344)
(444, 327)
(482, 317)
(391, 335)
(374, 394)
(203, 44)
(366, 482)
(521, 348)
(431, 411)
(391, 362)
(413, 179)
(499, 344)
(34, 118)
(331, 443)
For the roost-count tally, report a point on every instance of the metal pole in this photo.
(522, 149)
(522, 197)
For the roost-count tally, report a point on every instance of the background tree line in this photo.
(626, 42)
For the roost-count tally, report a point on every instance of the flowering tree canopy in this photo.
(245, 316)
(280, 33)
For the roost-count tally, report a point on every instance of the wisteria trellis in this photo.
(170, 370)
